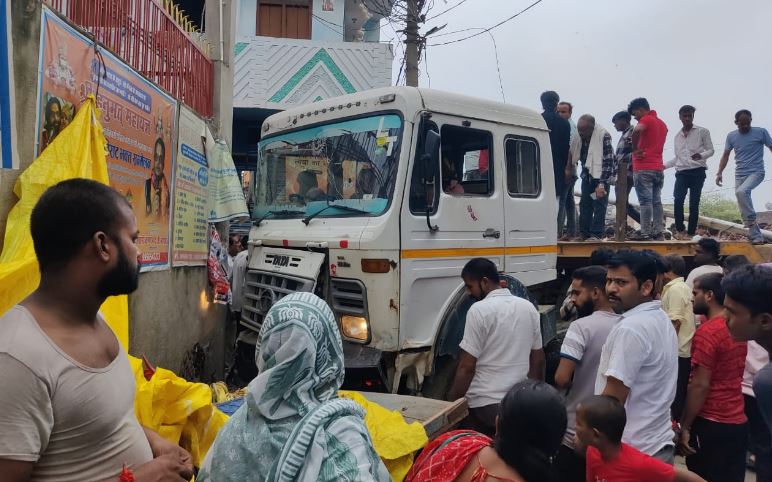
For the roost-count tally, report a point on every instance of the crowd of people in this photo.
(657, 362)
(584, 150)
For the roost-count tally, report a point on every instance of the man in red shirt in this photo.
(714, 433)
(648, 141)
(600, 421)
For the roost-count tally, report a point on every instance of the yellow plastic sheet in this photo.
(395, 440)
(180, 411)
(78, 151)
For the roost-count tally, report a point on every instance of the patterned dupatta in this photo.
(293, 426)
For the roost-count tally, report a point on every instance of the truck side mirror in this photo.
(431, 155)
(430, 160)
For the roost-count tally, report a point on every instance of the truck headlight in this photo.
(355, 327)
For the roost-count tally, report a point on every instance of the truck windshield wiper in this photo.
(278, 212)
(342, 207)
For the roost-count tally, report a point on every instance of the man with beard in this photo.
(714, 429)
(580, 355)
(501, 345)
(67, 403)
(638, 364)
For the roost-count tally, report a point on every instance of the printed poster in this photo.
(226, 194)
(8, 157)
(306, 177)
(139, 124)
(190, 192)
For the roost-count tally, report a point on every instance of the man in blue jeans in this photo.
(592, 147)
(648, 141)
(748, 144)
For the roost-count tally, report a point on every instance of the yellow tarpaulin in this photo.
(78, 151)
(179, 410)
(395, 440)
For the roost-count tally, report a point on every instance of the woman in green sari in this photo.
(293, 426)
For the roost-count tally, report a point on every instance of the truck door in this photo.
(529, 208)
(467, 219)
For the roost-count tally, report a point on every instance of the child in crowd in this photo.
(600, 421)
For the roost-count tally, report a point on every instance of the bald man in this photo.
(592, 148)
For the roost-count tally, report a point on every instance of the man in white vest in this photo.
(592, 147)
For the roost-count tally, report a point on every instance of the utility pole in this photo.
(621, 205)
(412, 41)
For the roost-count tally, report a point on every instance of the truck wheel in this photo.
(438, 384)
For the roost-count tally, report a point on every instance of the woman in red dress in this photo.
(530, 428)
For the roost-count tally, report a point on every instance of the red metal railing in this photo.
(147, 38)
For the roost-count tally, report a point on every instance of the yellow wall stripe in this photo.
(474, 252)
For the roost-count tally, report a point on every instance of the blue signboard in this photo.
(7, 158)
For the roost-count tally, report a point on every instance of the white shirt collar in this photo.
(648, 306)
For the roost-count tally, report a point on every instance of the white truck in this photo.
(376, 200)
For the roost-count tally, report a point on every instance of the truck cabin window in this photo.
(351, 163)
(466, 161)
(523, 167)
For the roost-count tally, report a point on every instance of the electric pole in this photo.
(412, 41)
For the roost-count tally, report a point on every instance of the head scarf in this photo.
(293, 426)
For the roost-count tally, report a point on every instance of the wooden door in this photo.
(284, 19)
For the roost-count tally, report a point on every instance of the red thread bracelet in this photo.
(126, 475)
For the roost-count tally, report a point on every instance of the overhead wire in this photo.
(508, 19)
(447, 10)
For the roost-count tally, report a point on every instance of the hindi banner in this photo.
(190, 192)
(139, 124)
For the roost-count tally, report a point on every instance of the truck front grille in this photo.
(263, 289)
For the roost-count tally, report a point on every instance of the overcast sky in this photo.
(600, 54)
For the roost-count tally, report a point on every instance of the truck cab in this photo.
(376, 200)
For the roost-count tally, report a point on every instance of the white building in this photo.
(293, 52)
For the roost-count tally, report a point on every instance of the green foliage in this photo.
(717, 206)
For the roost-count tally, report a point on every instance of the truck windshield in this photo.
(350, 163)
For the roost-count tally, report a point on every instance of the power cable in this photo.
(447, 10)
(491, 27)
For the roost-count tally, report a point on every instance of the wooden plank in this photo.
(583, 249)
(437, 416)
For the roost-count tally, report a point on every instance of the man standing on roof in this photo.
(648, 142)
(560, 136)
(567, 208)
(693, 147)
(592, 147)
(748, 145)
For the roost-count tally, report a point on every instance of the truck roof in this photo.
(429, 99)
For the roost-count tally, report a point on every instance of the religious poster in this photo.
(139, 124)
(306, 177)
(8, 157)
(189, 232)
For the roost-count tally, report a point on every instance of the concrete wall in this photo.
(25, 35)
(327, 26)
(169, 313)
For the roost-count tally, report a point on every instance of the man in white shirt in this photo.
(693, 147)
(638, 364)
(580, 356)
(501, 346)
(706, 256)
